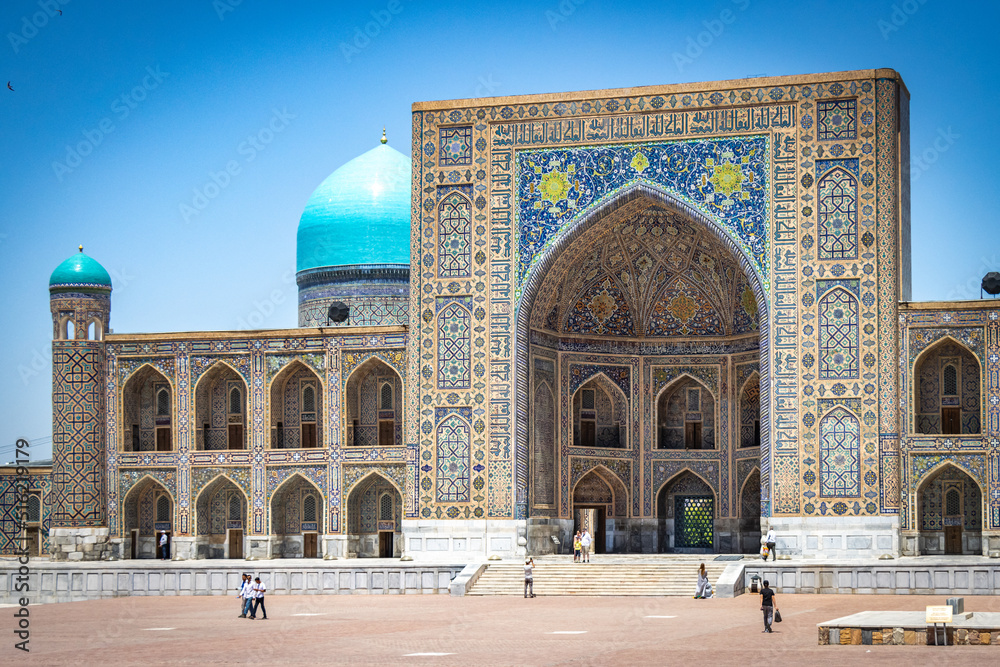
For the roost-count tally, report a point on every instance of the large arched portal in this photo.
(643, 357)
(950, 506)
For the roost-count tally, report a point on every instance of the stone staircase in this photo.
(618, 577)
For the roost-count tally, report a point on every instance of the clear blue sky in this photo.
(210, 74)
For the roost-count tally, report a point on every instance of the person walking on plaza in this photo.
(163, 545)
(767, 605)
(576, 547)
(704, 589)
(241, 589)
(247, 595)
(529, 578)
(258, 599)
(769, 541)
(585, 541)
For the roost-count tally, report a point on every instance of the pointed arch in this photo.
(685, 415)
(291, 424)
(748, 410)
(143, 427)
(940, 467)
(278, 502)
(676, 477)
(365, 423)
(368, 478)
(619, 505)
(605, 423)
(839, 343)
(204, 521)
(934, 410)
(217, 425)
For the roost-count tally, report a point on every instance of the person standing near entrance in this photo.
(529, 577)
(576, 547)
(767, 605)
(769, 541)
(163, 545)
(585, 541)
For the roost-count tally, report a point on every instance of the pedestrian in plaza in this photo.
(576, 547)
(704, 589)
(529, 578)
(163, 545)
(769, 541)
(585, 541)
(768, 605)
(240, 590)
(247, 595)
(258, 599)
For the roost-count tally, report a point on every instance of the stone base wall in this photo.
(836, 538)
(80, 544)
(878, 577)
(463, 540)
(923, 543)
(64, 582)
(905, 636)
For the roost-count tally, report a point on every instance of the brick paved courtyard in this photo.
(376, 630)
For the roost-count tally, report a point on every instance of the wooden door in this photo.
(309, 545)
(308, 435)
(692, 435)
(386, 433)
(235, 436)
(135, 544)
(588, 433)
(33, 543)
(385, 544)
(235, 543)
(163, 439)
(951, 421)
(953, 539)
(135, 438)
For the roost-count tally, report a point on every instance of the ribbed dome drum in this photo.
(354, 242)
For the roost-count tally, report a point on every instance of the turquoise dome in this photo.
(80, 271)
(360, 214)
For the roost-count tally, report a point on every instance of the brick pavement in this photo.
(385, 630)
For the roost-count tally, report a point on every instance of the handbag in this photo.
(777, 616)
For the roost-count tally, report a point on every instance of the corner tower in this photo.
(80, 301)
(354, 242)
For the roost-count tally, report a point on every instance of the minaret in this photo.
(80, 301)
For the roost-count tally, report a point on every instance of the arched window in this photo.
(235, 404)
(163, 508)
(95, 330)
(34, 508)
(234, 507)
(953, 503)
(949, 381)
(385, 507)
(308, 399)
(386, 399)
(70, 330)
(90, 331)
(163, 403)
(839, 454)
(309, 508)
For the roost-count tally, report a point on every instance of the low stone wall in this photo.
(979, 577)
(63, 582)
(904, 636)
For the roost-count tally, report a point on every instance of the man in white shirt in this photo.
(257, 590)
(163, 545)
(769, 541)
(247, 594)
(585, 541)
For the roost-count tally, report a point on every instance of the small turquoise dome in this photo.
(80, 271)
(360, 214)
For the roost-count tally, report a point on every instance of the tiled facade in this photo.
(718, 267)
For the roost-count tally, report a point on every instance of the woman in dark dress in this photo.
(767, 605)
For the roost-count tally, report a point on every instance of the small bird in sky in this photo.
(60, 12)
(9, 87)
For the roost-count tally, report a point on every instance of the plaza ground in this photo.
(388, 630)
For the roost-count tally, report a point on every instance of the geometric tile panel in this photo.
(838, 336)
(840, 455)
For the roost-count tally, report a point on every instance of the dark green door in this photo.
(693, 522)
